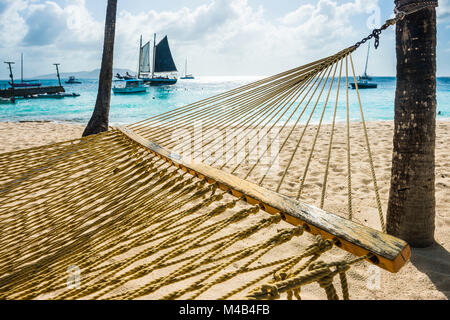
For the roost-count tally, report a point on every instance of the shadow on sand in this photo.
(435, 263)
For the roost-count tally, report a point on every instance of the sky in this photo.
(218, 37)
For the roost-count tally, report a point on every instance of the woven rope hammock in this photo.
(139, 220)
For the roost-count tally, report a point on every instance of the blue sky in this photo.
(219, 37)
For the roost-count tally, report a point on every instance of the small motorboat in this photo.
(129, 86)
(57, 95)
(69, 95)
(127, 76)
(6, 100)
(73, 80)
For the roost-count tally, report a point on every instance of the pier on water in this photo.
(29, 92)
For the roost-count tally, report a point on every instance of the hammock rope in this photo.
(164, 219)
(256, 121)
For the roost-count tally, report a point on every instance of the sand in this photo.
(16, 136)
(426, 276)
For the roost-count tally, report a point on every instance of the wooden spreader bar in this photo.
(389, 253)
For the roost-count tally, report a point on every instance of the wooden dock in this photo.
(28, 92)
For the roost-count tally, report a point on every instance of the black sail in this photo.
(163, 57)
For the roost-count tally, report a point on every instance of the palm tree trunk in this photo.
(411, 211)
(100, 118)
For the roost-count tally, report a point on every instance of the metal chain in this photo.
(400, 14)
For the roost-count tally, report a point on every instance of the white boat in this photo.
(57, 95)
(187, 76)
(364, 81)
(73, 80)
(129, 86)
(5, 101)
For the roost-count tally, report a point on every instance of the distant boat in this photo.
(69, 95)
(162, 63)
(364, 84)
(57, 95)
(364, 80)
(49, 96)
(24, 83)
(73, 80)
(6, 100)
(127, 76)
(186, 75)
(129, 86)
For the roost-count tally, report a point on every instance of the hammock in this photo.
(124, 215)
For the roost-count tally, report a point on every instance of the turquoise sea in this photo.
(378, 103)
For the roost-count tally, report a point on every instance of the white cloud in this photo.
(235, 38)
(47, 32)
(81, 24)
(12, 24)
(46, 22)
(223, 37)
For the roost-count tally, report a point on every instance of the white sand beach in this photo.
(426, 275)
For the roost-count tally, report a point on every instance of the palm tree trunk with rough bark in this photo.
(100, 118)
(411, 210)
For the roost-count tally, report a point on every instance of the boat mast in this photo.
(57, 73)
(21, 67)
(367, 59)
(185, 69)
(154, 55)
(140, 57)
(13, 98)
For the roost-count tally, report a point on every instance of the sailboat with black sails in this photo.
(163, 64)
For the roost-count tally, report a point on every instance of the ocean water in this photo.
(378, 104)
